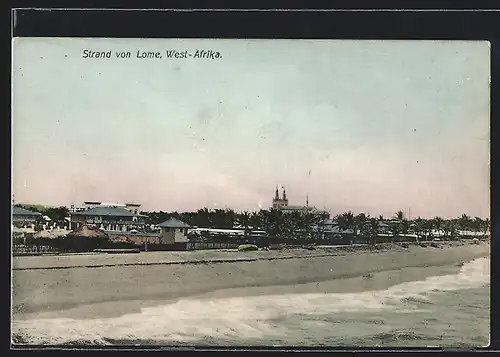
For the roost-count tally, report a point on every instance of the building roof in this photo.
(18, 211)
(108, 211)
(173, 223)
(292, 207)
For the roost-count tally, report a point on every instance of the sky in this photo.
(365, 126)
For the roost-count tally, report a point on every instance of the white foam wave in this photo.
(246, 318)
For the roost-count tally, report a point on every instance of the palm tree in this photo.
(310, 220)
(229, 218)
(464, 223)
(404, 226)
(373, 225)
(398, 225)
(399, 215)
(203, 218)
(359, 222)
(450, 229)
(428, 227)
(256, 220)
(244, 221)
(477, 225)
(346, 221)
(486, 226)
(437, 223)
(418, 226)
(297, 223)
(274, 222)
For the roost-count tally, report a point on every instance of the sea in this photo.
(440, 311)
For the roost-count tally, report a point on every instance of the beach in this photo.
(52, 283)
(384, 296)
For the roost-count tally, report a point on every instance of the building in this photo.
(133, 207)
(108, 218)
(173, 231)
(279, 202)
(384, 227)
(23, 218)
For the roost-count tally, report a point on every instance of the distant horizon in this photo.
(360, 126)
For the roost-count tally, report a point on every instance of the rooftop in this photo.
(18, 211)
(173, 223)
(108, 211)
(293, 208)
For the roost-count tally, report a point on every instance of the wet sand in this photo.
(49, 285)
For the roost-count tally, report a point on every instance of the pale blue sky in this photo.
(371, 126)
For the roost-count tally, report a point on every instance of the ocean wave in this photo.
(239, 319)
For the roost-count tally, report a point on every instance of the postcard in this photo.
(185, 192)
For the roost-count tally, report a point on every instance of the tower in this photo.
(278, 201)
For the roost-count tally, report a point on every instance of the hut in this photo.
(85, 239)
(174, 234)
(174, 231)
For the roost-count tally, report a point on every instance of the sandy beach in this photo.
(56, 283)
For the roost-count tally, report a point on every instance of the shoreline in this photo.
(103, 260)
(375, 282)
(50, 290)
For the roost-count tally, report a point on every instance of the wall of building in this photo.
(121, 224)
(167, 236)
(173, 235)
(180, 236)
(133, 207)
(279, 203)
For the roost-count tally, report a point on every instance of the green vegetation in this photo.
(307, 225)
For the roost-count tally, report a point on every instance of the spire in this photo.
(277, 195)
(284, 194)
(307, 200)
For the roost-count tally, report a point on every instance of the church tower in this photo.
(278, 201)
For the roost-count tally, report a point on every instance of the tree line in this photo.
(370, 227)
(301, 223)
(277, 223)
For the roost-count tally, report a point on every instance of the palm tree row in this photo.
(370, 227)
(273, 222)
(277, 223)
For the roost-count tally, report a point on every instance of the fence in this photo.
(212, 245)
(19, 249)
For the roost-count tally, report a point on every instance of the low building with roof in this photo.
(108, 218)
(174, 231)
(23, 218)
(383, 227)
